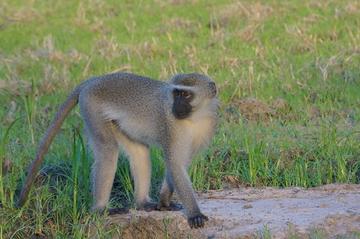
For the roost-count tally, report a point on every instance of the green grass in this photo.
(303, 52)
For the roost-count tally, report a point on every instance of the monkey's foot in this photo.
(197, 221)
(119, 210)
(173, 206)
(148, 206)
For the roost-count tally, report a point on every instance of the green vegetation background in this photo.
(288, 74)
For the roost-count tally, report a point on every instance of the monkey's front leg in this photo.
(167, 188)
(140, 165)
(166, 192)
(182, 184)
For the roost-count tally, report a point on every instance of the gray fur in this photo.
(134, 112)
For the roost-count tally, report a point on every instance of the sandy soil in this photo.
(249, 212)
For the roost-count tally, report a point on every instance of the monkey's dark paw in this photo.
(98, 211)
(148, 206)
(120, 210)
(197, 221)
(171, 207)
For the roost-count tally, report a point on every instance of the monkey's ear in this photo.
(181, 106)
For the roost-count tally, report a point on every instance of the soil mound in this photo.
(332, 210)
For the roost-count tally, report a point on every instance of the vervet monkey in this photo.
(134, 112)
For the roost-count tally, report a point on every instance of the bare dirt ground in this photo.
(252, 212)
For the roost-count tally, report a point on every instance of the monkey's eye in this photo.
(185, 94)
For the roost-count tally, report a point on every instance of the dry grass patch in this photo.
(254, 12)
(353, 7)
(24, 14)
(47, 50)
(107, 47)
(178, 22)
(305, 42)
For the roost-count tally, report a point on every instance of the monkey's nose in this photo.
(212, 87)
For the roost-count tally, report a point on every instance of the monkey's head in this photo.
(193, 93)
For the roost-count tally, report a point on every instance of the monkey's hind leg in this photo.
(106, 152)
(140, 165)
(103, 173)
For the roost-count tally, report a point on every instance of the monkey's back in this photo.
(135, 103)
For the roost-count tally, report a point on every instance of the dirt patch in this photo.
(255, 110)
(251, 212)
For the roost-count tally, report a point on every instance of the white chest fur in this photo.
(200, 131)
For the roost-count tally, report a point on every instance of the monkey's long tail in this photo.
(44, 145)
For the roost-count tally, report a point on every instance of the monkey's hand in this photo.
(197, 221)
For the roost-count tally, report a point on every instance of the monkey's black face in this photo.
(181, 106)
(196, 80)
(193, 92)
